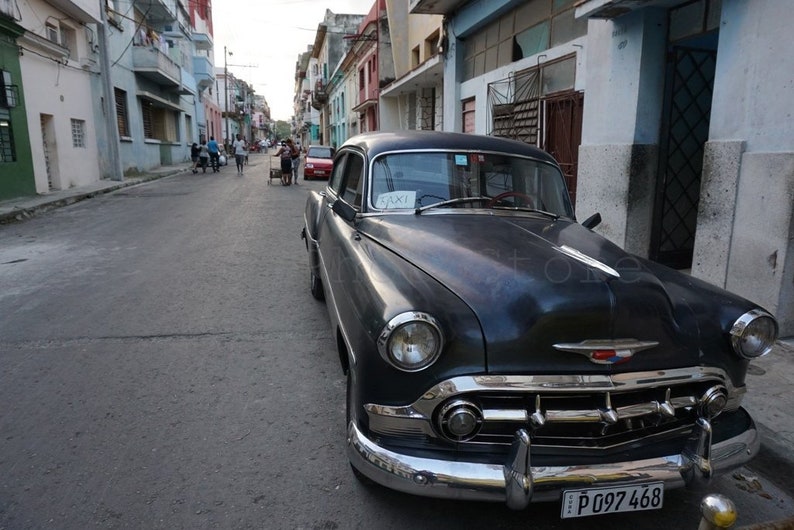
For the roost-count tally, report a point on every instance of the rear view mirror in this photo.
(592, 221)
(343, 210)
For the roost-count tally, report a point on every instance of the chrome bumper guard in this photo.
(517, 483)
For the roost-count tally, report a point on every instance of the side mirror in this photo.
(343, 210)
(592, 221)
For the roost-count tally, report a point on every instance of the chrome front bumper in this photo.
(517, 483)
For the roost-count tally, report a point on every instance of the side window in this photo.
(354, 181)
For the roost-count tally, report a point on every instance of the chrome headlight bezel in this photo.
(757, 325)
(399, 328)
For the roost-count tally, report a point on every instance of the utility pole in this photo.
(226, 92)
(111, 125)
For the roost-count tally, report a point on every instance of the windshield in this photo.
(320, 152)
(417, 179)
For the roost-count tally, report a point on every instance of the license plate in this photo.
(597, 501)
(319, 172)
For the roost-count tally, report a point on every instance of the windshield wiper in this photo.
(463, 200)
(531, 210)
(451, 202)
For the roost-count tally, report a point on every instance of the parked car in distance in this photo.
(496, 349)
(319, 162)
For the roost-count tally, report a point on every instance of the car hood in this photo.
(534, 283)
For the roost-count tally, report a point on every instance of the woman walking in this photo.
(285, 153)
(194, 156)
(204, 156)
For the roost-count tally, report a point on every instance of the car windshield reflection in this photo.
(413, 180)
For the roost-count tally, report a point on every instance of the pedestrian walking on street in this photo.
(194, 156)
(295, 156)
(240, 153)
(285, 154)
(204, 156)
(215, 153)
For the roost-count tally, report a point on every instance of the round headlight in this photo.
(753, 334)
(411, 341)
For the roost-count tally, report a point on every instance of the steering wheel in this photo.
(529, 201)
(424, 196)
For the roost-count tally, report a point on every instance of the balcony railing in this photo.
(153, 64)
(320, 93)
(203, 71)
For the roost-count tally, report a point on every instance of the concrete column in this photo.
(745, 239)
(718, 187)
(622, 111)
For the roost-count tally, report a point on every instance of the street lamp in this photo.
(226, 92)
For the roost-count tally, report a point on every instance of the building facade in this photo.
(51, 143)
(414, 100)
(670, 118)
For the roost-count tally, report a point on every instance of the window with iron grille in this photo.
(7, 151)
(159, 123)
(121, 111)
(78, 133)
(8, 95)
(148, 119)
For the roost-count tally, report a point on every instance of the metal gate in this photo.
(564, 134)
(685, 126)
(518, 109)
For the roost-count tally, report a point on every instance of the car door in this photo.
(337, 235)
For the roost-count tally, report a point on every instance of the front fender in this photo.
(369, 286)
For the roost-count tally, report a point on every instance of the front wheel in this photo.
(316, 286)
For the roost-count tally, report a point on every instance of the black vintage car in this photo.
(496, 349)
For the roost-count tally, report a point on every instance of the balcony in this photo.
(202, 40)
(434, 7)
(86, 11)
(157, 10)
(203, 71)
(151, 63)
(320, 93)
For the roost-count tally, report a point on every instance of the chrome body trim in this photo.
(587, 260)
(517, 483)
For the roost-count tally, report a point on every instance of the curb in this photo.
(24, 208)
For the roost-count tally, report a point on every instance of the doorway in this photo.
(686, 115)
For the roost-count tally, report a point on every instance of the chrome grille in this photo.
(587, 412)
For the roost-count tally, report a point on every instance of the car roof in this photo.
(375, 143)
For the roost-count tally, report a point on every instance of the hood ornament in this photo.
(614, 351)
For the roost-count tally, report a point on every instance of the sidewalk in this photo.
(22, 208)
(769, 398)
